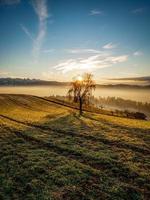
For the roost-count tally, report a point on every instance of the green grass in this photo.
(48, 152)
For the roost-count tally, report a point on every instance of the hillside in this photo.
(48, 152)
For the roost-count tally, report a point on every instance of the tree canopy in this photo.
(81, 89)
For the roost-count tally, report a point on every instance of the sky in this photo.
(59, 39)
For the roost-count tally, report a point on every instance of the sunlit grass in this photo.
(133, 123)
(48, 151)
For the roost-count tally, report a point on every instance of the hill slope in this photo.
(49, 152)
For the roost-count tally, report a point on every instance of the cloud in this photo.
(90, 63)
(138, 53)
(4, 73)
(82, 51)
(138, 11)
(96, 12)
(27, 32)
(110, 46)
(40, 8)
(9, 2)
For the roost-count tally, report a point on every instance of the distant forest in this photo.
(115, 103)
(122, 104)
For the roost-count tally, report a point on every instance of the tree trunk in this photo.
(80, 101)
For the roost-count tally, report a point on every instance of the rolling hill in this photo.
(48, 151)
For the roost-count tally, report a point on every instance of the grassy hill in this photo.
(48, 152)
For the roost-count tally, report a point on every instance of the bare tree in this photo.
(81, 90)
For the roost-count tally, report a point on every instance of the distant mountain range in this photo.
(28, 82)
(144, 78)
(38, 82)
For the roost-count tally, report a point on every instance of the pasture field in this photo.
(49, 152)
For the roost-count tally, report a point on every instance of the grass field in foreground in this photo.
(48, 152)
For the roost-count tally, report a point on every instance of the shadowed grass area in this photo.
(49, 152)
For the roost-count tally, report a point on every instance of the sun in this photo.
(79, 78)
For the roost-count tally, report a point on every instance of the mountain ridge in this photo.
(38, 82)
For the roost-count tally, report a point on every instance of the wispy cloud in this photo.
(138, 11)
(96, 12)
(110, 46)
(138, 53)
(4, 73)
(27, 32)
(9, 2)
(90, 63)
(82, 51)
(40, 8)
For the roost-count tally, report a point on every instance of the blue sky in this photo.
(58, 39)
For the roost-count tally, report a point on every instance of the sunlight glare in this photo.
(79, 78)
